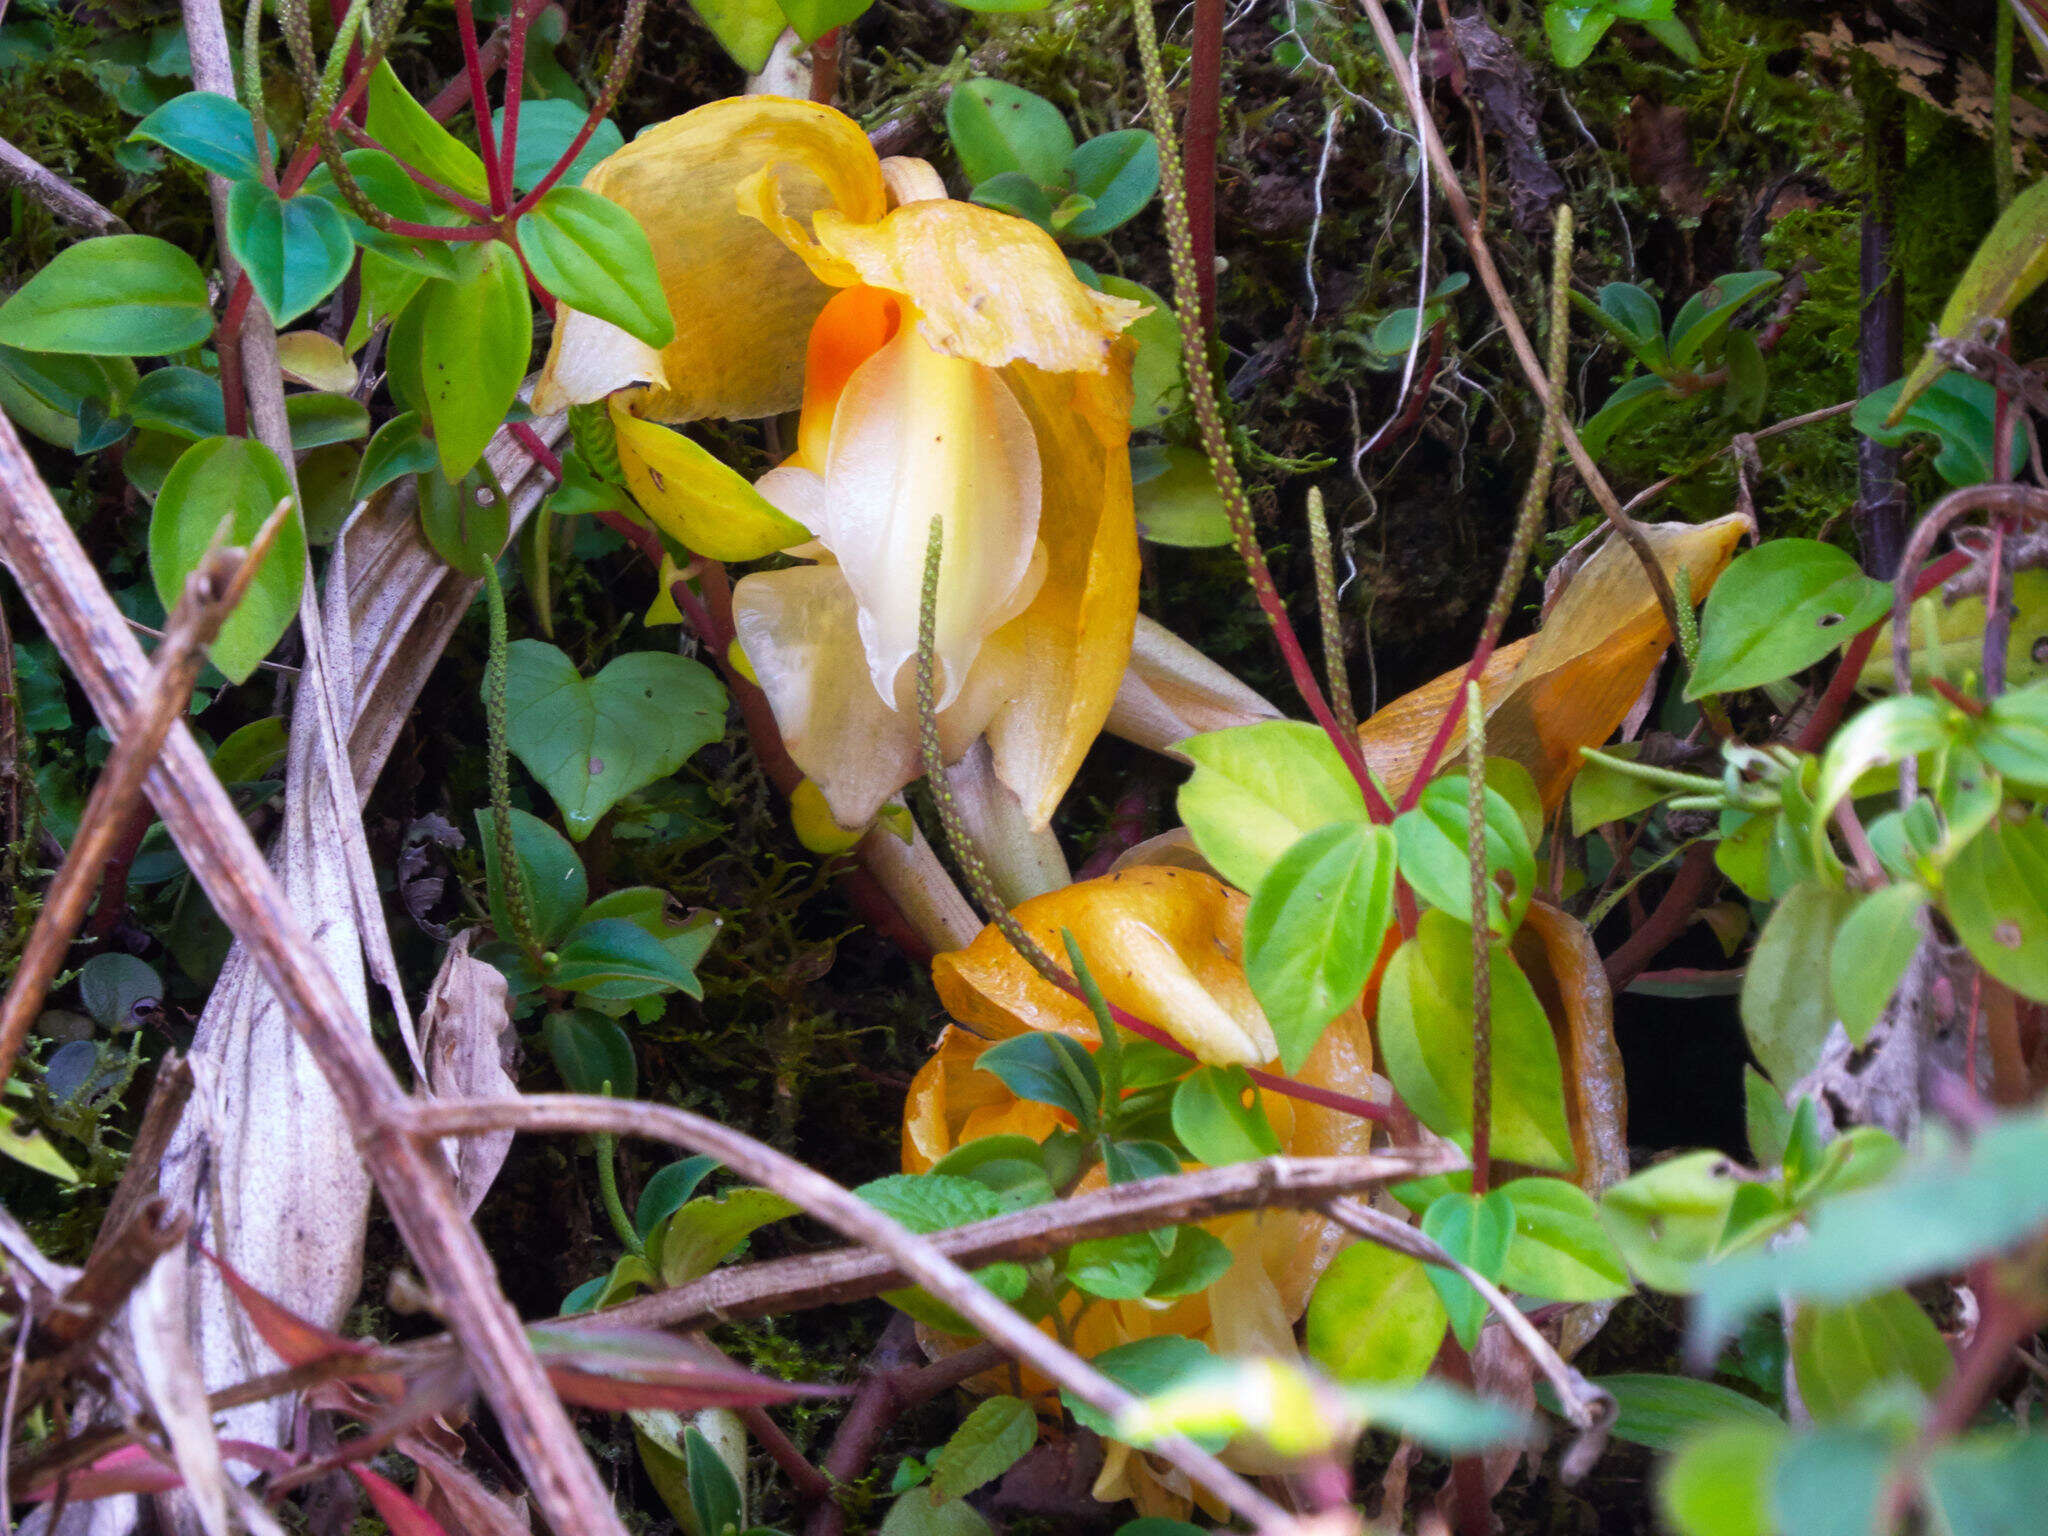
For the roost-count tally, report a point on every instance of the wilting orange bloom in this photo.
(1165, 945)
(949, 366)
(1571, 683)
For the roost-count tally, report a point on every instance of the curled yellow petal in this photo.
(701, 503)
(1164, 945)
(986, 286)
(1570, 684)
(742, 301)
(1077, 631)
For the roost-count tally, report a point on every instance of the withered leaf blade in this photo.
(617, 1369)
(396, 1508)
(294, 1340)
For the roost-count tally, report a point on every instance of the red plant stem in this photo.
(1198, 153)
(480, 106)
(234, 396)
(537, 450)
(808, 1481)
(363, 139)
(515, 78)
(450, 99)
(825, 67)
(642, 538)
(1696, 876)
(1834, 702)
(1471, 1509)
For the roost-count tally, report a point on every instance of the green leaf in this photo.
(409, 132)
(1703, 319)
(252, 751)
(1432, 846)
(555, 884)
(1631, 315)
(1766, 1117)
(386, 184)
(1215, 1124)
(714, 1493)
(2013, 737)
(1119, 172)
(812, 19)
(546, 130)
(617, 961)
(1601, 793)
(1622, 407)
(2008, 264)
(591, 1052)
(1447, 1419)
(593, 742)
(466, 523)
(32, 1149)
(1664, 1412)
(1957, 409)
(44, 392)
(997, 127)
(920, 1513)
(1425, 1028)
(181, 401)
(295, 252)
(1476, 1230)
(1375, 1317)
(1839, 1353)
(399, 448)
(1719, 1484)
(1780, 608)
(1179, 505)
(475, 334)
(989, 1441)
(648, 910)
(745, 29)
(667, 1191)
(929, 1202)
(1258, 789)
(1015, 193)
(1116, 1268)
(1048, 1068)
(703, 1232)
(239, 479)
(1314, 930)
(1997, 897)
(593, 255)
(319, 419)
(212, 131)
(1873, 946)
(1574, 30)
(1936, 1214)
(1828, 1483)
(110, 986)
(1196, 1261)
(1560, 1251)
(1991, 1484)
(1667, 1218)
(114, 296)
(1156, 387)
(1786, 1009)
(1145, 1368)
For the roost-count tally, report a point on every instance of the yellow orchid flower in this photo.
(1166, 945)
(948, 364)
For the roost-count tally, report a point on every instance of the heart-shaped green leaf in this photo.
(593, 255)
(1778, 608)
(591, 742)
(296, 251)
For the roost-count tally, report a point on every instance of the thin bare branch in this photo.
(918, 1257)
(45, 186)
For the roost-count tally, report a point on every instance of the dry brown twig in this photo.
(211, 593)
(64, 200)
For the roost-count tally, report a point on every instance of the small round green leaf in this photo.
(1258, 789)
(212, 131)
(238, 479)
(1997, 897)
(295, 251)
(1375, 1317)
(1432, 841)
(1560, 1252)
(997, 127)
(1119, 171)
(1213, 1121)
(114, 296)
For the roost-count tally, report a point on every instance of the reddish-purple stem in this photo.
(515, 78)
(480, 106)
(1198, 153)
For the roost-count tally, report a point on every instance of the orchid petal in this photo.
(854, 326)
(987, 286)
(742, 301)
(1164, 944)
(1171, 691)
(700, 502)
(1078, 628)
(918, 436)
